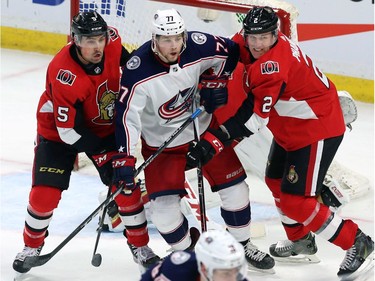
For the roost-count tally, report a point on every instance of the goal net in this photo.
(220, 17)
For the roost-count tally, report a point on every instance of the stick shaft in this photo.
(40, 260)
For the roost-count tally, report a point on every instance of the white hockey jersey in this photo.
(156, 98)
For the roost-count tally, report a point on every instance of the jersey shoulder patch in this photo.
(133, 63)
(198, 38)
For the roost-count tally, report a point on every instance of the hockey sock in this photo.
(132, 212)
(42, 201)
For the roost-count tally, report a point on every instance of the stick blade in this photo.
(31, 262)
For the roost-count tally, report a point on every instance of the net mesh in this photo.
(133, 18)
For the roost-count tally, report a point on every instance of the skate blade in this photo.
(364, 273)
(259, 270)
(298, 259)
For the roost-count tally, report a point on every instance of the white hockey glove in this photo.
(348, 107)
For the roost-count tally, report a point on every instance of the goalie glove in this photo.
(332, 194)
(212, 143)
(348, 107)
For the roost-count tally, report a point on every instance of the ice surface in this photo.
(22, 82)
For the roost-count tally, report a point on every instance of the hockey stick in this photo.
(202, 202)
(192, 205)
(34, 261)
(96, 259)
(257, 229)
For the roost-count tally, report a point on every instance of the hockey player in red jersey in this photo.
(287, 93)
(159, 91)
(75, 114)
(217, 257)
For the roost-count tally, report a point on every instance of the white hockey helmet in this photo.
(218, 249)
(167, 22)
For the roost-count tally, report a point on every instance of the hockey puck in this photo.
(96, 260)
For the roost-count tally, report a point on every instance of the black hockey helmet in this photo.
(88, 24)
(260, 20)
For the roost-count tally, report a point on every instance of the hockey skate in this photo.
(20, 258)
(300, 251)
(256, 259)
(143, 256)
(358, 259)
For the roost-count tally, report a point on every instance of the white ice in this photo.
(22, 82)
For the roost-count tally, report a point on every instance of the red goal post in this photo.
(132, 18)
(286, 12)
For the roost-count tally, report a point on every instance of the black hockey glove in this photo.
(124, 171)
(213, 98)
(212, 143)
(214, 93)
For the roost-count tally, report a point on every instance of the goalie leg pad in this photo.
(348, 107)
(112, 220)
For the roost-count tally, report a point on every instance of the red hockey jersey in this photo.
(297, 100)
(71, 91)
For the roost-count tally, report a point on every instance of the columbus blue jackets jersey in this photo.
(178, 266)
(156, 98)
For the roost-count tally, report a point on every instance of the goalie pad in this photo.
(112, 220)
(348, 107)
(333, 195)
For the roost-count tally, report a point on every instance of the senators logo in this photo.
(106, 105)
(292, 176)
(66, 77)
(269, 67)
(113, 35)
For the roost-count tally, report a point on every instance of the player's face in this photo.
(170, 47)
(92, 48)
(225, 274)
(259, 44)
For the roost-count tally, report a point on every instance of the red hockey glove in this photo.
(214, 93)
(124, 170)
(103, 158)
(212, 143)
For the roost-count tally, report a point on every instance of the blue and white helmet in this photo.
(218, 249)
(167, 22)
